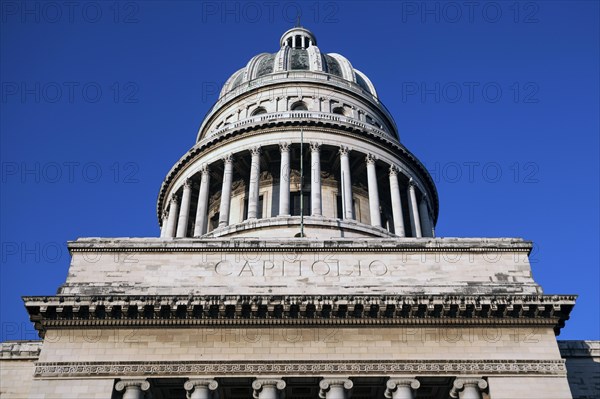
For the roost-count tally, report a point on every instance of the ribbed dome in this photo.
(282, 118)
(298, 52)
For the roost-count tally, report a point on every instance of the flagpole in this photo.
(301, 182)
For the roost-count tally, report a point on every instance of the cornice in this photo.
(298, 245)
(297, 310)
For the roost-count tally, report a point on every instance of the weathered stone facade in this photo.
(583, 367)
(298, 258)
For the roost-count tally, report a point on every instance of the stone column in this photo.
(284, 180)
(163, 227)
(267, 388)
(401, 388)
(254, 183)
(200, 388)
(202, 208)
(334, 388)
(468, 388)
(226, 191)
(303, 41)
(315, 180)
(184, 210)
(373, 191)
(134, 389)
(414, 210)
(426, 223)
(173, 213)
(346, 183)
(396, 203)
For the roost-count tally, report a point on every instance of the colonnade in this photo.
(299, 41)
(176, 216)
(329, 388)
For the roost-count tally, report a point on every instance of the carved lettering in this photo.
(246, 269)
(326, 267)
(223, 268)
(320, 268)
(378, 268)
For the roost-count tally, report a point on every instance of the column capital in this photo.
(411, 183)
(344, 150)
(394, 170)
(315, 146)
(326, 384)
(228, 158)
(284, 146)
(174, 198)
(259, 384)
(370, 159)
(461, 384)
(143, 385)
(204, 169)
(192, 383)
(165, 214)
(394, 383)
(188, 183)
(255, 150)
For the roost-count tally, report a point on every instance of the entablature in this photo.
(297, 310)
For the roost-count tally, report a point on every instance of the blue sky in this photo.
(500, 100)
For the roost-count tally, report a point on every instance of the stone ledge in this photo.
(20, 350)
(447, 244)
(231, 310)
(579, 348)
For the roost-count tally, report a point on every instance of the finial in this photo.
(298, 20)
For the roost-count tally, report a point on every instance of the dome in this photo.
(298, 145)
(298, 52)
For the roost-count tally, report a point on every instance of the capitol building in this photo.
(297, 258)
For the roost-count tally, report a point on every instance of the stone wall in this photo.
(250, 266)
(430, 345)
(583, 367)
(314, 344)
(17, 360)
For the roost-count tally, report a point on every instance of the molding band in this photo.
(305, 368)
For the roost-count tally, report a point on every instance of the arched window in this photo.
(259, 111)
(299, 106)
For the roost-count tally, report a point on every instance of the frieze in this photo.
(317, 368)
